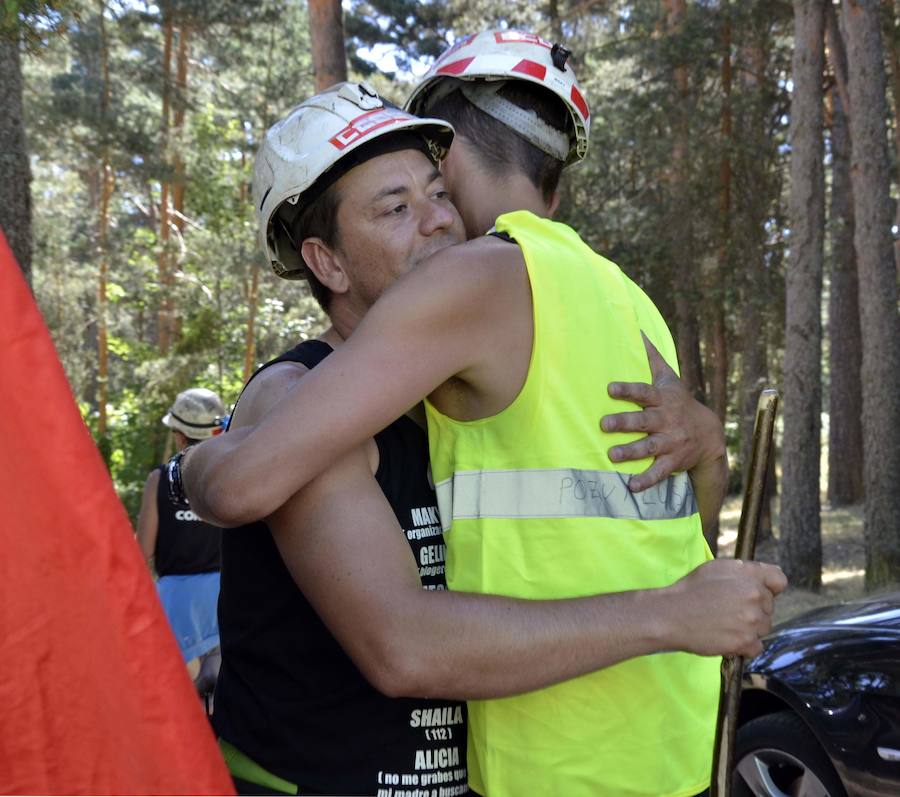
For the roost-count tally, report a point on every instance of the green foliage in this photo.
(33, 22)
(250, 63)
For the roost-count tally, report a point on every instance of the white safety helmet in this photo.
(309, 144)
(480, 63)
(197, 413)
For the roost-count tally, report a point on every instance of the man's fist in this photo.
(723, 607)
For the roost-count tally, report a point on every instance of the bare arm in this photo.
(429, 326)
(681, 434)
(148, 519)
(353, 563)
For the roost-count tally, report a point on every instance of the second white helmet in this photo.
(309, 143)
(197, 413)
(492, 56)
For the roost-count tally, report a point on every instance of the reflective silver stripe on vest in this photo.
(560, 493)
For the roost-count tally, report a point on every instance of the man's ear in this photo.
(553, 204)
(325, 263)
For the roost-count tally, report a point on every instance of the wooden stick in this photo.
(745, 547)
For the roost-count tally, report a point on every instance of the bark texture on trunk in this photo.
(556, 32)
(714, 280)
(893, 48)
(179, 109)
(880, 373)
(15, 171)
(106, 190)
(753, 197)
(845, 447)
(801, 541)
(687, 332)
(164, 266)
(326, 30)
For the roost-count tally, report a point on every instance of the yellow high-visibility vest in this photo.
(533, 508)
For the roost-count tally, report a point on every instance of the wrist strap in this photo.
(175, 482)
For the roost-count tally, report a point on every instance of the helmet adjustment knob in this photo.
(560, 55)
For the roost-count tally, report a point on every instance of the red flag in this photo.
(94, 694)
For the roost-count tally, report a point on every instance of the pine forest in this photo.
(743, 169)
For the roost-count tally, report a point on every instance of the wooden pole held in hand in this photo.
(745, 547)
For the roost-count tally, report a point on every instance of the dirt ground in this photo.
(843, 556)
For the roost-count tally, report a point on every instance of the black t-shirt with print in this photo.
(289, 698)
(185, 545)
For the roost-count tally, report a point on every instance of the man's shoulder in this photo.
(487, 257)
(265, 391)
(268, 388)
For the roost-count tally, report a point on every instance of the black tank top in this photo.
(290, 698)
(184, 544)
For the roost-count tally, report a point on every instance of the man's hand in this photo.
(681, 433)
(723, 607)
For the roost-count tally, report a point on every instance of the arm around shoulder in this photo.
(355, 566)
(422, 331)
(216, 493)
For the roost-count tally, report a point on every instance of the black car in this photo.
(820, 706)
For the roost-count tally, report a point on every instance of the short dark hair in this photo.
(496, 149)
(318, 220)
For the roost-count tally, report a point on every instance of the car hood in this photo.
(828, 654)
(881, 614)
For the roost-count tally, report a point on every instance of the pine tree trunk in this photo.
(166, 309)
(179, 108)
(687, 334)
(716, 350)
(15, 171)
(713, 269)
(179, 182)
(754, 199)
(326, 30)
(893, 48)
(801, 540)
(837, 55)
(556, 32)
(877, 291)
(845, 448)
(106, 189)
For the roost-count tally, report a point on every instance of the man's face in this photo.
(394, 212)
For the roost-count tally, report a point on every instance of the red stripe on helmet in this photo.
(580, 103)
(531, 68)
(463, 42)
(455, 67)
(368, 123)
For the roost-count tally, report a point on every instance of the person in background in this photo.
(183, 550)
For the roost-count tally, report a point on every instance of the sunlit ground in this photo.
(843, 556)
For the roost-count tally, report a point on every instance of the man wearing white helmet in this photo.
(181, 548)
(324, 598)
(295, 710)
(514, 344)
